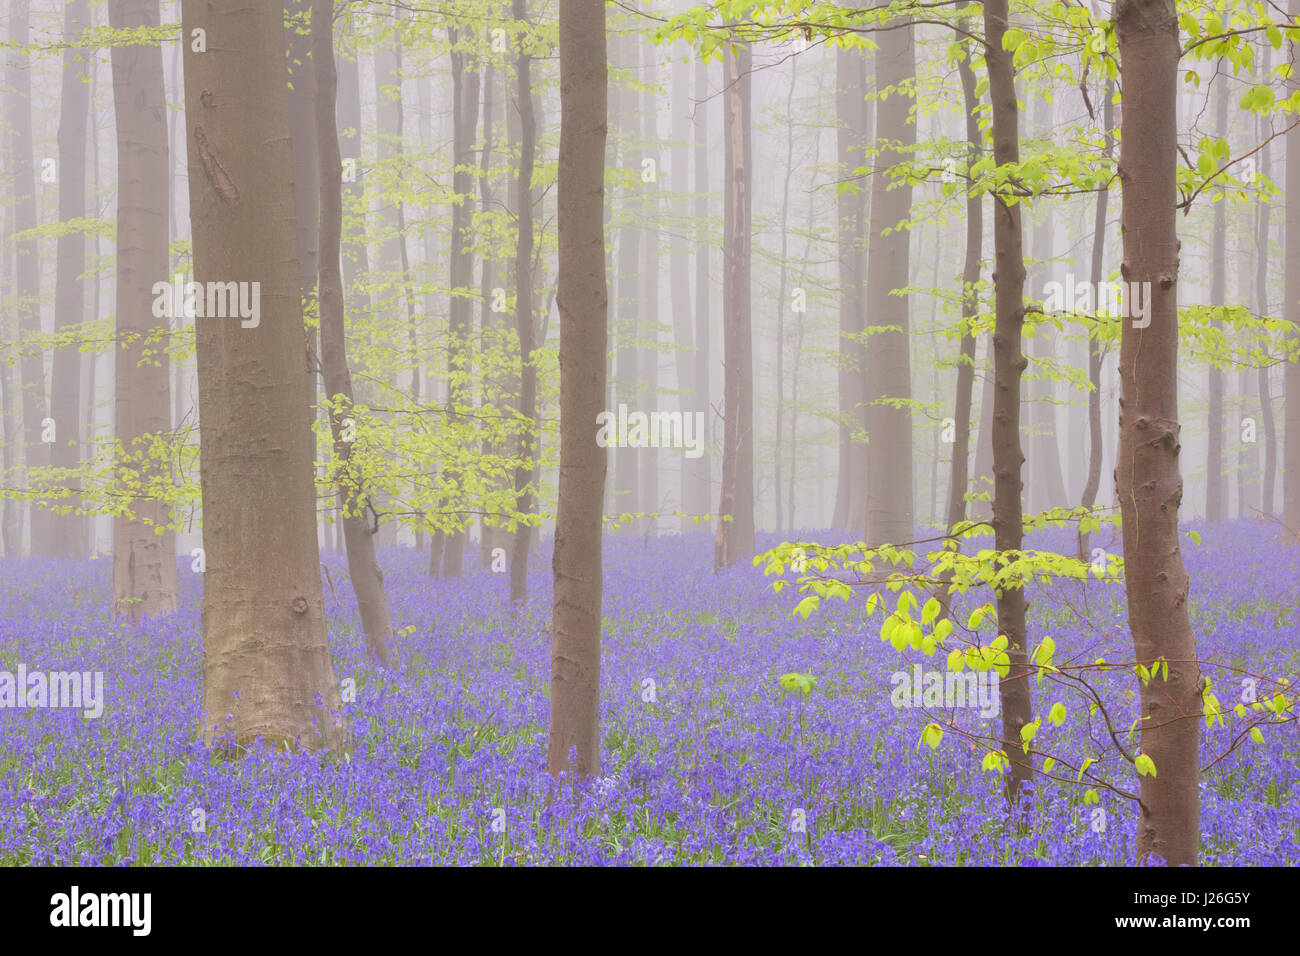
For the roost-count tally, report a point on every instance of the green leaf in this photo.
(930, 611)
(931, 735)
(1057, 714)
(1145, 765)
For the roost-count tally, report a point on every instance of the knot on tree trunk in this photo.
(299, 605)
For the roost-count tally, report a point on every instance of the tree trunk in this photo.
(850, 140)
(1291, 313)
(358, 541)
(144, 562)
(1009, 365)
(573, 745)
(648, 313)
(679, 265)
(306, 173)
(524, 321)
(1268, 477)
(266, 662)
(68, 530)
(781, 290)
(735, 534)
(1096, 355)
(888, 488)
(701, 468)
(27, 267)
(1147, 473)
(460, 308)
(1214, 483)
(970, 275)
(627, 382)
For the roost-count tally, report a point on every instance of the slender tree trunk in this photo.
(573, 746)
(679, 265)
(735, 533)
(1096, 354)
(460, 309)
(1291, 313)
(144, 562)
(1147, 474)
(524, 320)
(1009, 365)
(628, 380)
(1263, 252)
(266, 662)
(10, 528)
(490, 327)
(27, 268)
(68, 530)
(889, 478)
(1214, 482)
(850, 139)
(970, 276)
(702, 482)
(781, 287)
(358, 541)
(648, 313)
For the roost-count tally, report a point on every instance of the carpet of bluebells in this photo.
(448, 747)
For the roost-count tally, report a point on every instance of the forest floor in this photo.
(705, 757)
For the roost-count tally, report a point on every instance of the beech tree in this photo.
(583, 298)
(144, 562)
(266, 662)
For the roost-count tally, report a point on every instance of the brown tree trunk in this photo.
(27, 268)
(970, 275)
(679, 264)
(888, 488)
(524, 320)
(1291, 313)
(68, 530)
(358, 541)
(850, 139)
(1095, 353)
(144, 562)
(573, 745)
(1214, 481)
(306, 174)
(735, 533)
(1268, 477)
(628, 381)
(648, 312)
(1009, 365)
(460, 309)
(1147, 474)
(266, 662)
(701, 468)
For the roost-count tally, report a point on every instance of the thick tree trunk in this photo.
(1147, 474)
(735, 533)
(573, 746)
(358, 541)
(850, 139)
(888, 488)
(68, 530)
(970, 275)
(525, 323)
(306, 174)
(266, 662)
(144, 562)
(1009, 365)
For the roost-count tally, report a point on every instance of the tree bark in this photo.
(524, 319)
(1291, 312)
(888, 488)
(1214, 481)
(1268, 477)
(68, 530)
(701, 468)
(144, 562)
(1147, 474)
(627, 381)
(850, 139)
(266, 662)
(679, 264)
(970, 276)
(358, 540)
(735, 534)
(1009, 365)
(573, 745)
